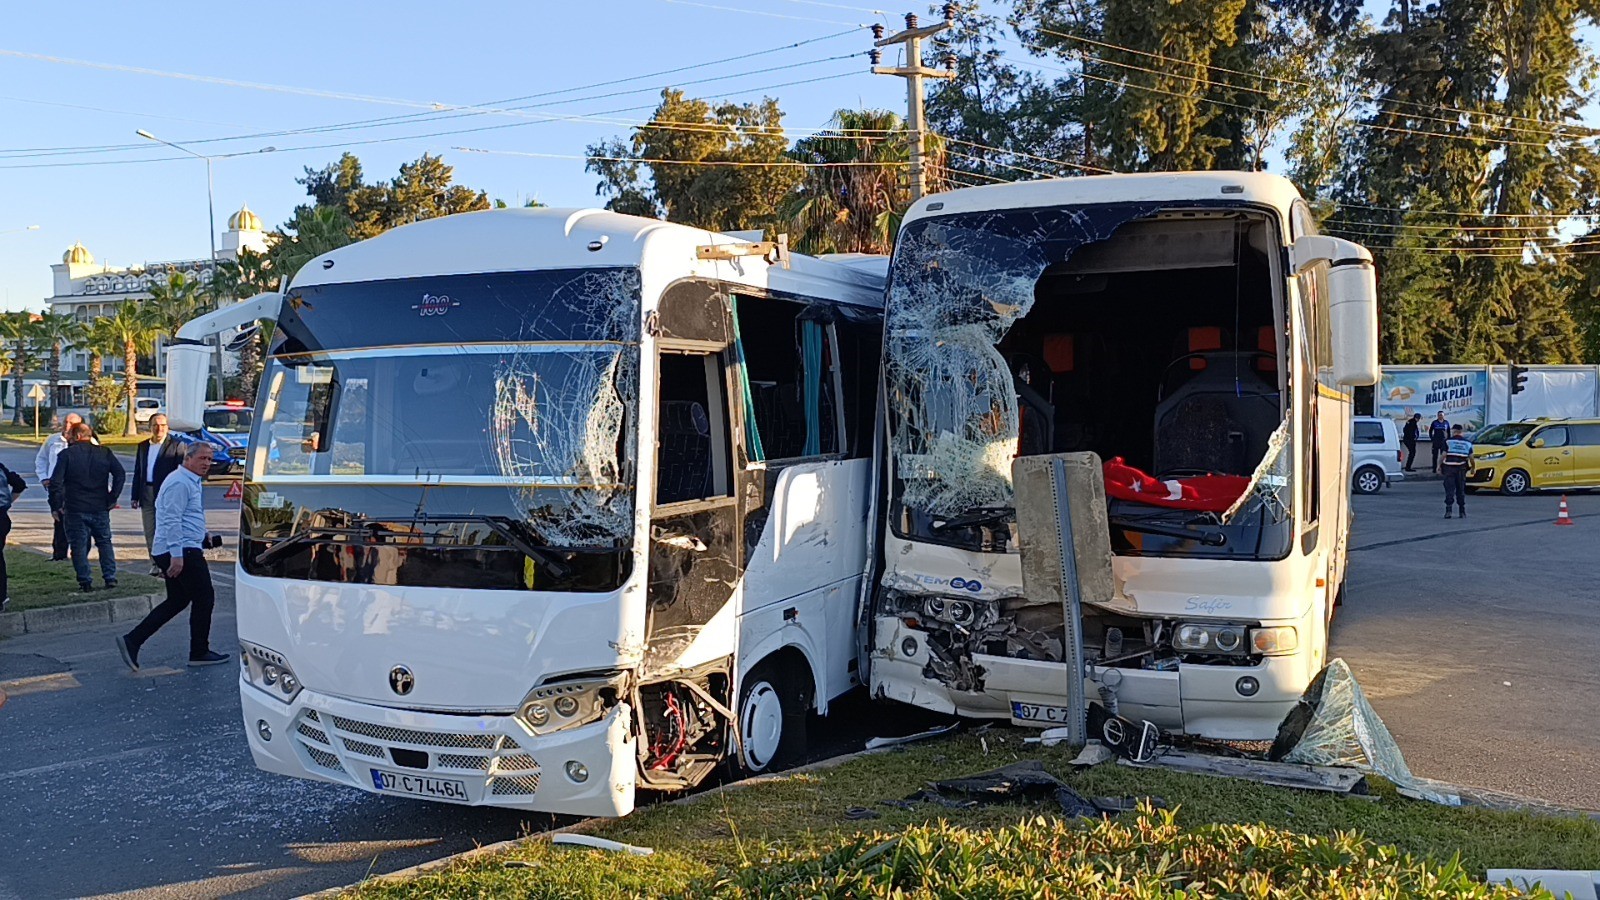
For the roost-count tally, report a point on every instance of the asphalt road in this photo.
(1475, 639)
(117, 785)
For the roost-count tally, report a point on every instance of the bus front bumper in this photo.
(1193, 699)
(475, 760)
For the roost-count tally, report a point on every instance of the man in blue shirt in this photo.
(178, 549)
(1454, 466)
(1438, 434)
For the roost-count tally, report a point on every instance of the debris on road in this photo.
(1024, 781)
(877, 742)
(1333, 725)
(594, 843)
(1093, 754)
(856, 813)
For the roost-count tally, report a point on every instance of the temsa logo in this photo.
(435, 305)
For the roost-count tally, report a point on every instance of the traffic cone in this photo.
(1562, 518)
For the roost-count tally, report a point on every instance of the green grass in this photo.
(790, 837)
(36, 582)
(24, 434)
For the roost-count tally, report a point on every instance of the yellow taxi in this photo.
(1518, 457)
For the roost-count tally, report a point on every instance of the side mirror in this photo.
(1536, 443)
(1352, 304)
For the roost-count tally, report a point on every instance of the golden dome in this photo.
(78, 254)
(244, 220)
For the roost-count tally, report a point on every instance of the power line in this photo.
(1308, 84)
(717, 163)
(1059, 162)
(1468, 215)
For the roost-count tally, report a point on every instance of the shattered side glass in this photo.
(957, 285)
(1269, 489)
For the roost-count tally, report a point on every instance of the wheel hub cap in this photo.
(761, 725)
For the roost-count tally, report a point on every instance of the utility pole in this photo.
(913, 72)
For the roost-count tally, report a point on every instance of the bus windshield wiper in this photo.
(978, 515)
(1208, 538)
(308, 535)
(510, 529)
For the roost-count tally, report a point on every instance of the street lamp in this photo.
(211, 213)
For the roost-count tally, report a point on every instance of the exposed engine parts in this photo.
(683, 727)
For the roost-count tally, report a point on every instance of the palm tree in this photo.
(176, 301)
(135, 326)
(854, 208)
(53, 331)
(317, 231)
(239, 279)
(16, 328)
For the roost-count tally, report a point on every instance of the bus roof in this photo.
(521, 240)
(1249, 187)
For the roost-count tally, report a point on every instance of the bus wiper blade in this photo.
(307, 535)
(506, 528)
(1208, 538)
(978, 515)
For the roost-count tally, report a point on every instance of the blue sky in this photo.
(404, 53)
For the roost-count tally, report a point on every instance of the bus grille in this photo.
(325, 759)
(392, 735)
(508, 769)
(363, 748)
(515, 784)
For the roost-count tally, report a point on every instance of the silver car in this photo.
(1375, 454)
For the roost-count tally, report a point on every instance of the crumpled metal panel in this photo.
(957, 285)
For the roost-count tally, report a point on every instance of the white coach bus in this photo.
(546, 506)
(1195, 332)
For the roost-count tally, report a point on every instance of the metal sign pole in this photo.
(1072, 606)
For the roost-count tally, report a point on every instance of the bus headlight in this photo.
(1274, 641)
(1195, 637)
(267, 671)
(568, 704)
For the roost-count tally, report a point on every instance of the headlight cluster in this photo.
(946, 609)
(1497, 454)
(1234, 640)
(566, 704)
(268, 671)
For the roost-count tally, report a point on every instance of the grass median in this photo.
(36, 582)
(791, 837)
(23, 434)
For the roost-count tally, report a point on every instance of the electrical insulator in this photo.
(875, 55)
(949, 13)
(877, 32)
(911, 20)
(950, 62)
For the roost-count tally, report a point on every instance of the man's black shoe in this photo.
(130, 654)
(111, 584)
(1463, 514)
(212, 658)
(1447, 514)
(58, 559)
(87, 588)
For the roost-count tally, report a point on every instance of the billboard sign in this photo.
(1462, 394)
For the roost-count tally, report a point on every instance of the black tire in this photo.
(759, 750)
(1515, 483)
(1367, 480)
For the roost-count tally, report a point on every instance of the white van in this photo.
(1376, 459)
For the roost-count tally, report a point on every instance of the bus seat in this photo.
(1267, 342)
(1215, 421)
(683, 464)
(1059, 353)
(1203, 339)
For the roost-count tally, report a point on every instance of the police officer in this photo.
(1454, 465)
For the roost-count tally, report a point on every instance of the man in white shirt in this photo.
(180, 543)
(44, 464)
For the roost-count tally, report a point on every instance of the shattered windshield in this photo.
(957, 284)
(526, 382)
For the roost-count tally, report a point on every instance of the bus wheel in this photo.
(772, 720)
(1516, 482)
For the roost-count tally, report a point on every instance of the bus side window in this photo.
(860, 346)
(692, 446)
(788, 358)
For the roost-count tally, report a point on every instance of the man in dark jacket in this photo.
(155, 459)
(83, 489)
(11, 485)
(1409, 438)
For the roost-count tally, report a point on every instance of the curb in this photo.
(77, 615)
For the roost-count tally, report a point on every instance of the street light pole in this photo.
(211, 215)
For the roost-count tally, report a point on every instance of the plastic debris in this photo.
(877, 742)
(861, 812)
(1333, 725)
(1018, 782)
(1093, 754)
(1049, 737)
(594, 843)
